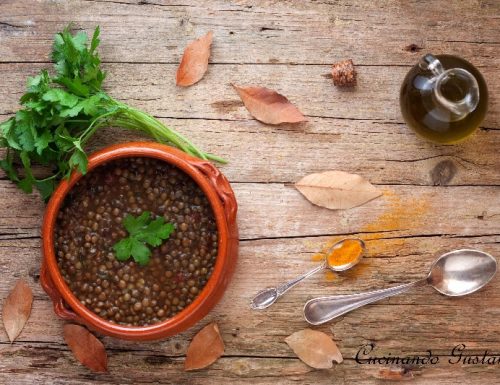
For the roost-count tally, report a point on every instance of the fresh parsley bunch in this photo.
(61, 112)
(142, 231)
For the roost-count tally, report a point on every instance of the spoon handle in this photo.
(267, 297)
(284, 287)
(323, 309)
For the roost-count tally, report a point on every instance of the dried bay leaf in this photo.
(314, 348)
(86, 347)
(205, 348)
(194, 62)
(268, 106)
(17, 309)
(337, 189)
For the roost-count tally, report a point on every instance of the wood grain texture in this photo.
(436, 198)
(307, 87)
(266, 31)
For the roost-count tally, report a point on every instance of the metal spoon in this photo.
(267, 297)
(453, 274)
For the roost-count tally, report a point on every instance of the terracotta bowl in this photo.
(221, 197)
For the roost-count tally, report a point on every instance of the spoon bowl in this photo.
(462, 272)
(348, 242)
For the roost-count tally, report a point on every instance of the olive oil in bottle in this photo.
(444, 98)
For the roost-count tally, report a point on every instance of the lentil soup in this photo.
(90, 223)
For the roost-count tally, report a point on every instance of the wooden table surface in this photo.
(436, 198)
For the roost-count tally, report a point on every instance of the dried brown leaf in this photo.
(205, 348)
(194, 62)
(86, 348)
(394, 373)
(17, 309)
(268, 106)
(337, 189)
(314, 348)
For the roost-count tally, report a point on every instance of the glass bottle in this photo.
(444, 98)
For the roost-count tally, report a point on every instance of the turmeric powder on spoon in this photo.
(344, 254)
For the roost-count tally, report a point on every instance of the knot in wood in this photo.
(443, 173)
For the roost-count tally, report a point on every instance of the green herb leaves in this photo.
(142, 231)
(61, 112)
(150, 231)
(77, 66)
(51, 128)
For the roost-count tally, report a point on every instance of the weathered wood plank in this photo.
(35, 365)
(393, 155)
(260, 32)
(152, 88)
(272, 211)
(261, 154)
(276, 210)
(58, 368)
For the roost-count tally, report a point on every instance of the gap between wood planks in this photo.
(295, 64)
(381, 185)
(56, 346)
(13, 237)
(142, 3)
(287, 183)
(381, 121)
(378, 120)
(361, 233)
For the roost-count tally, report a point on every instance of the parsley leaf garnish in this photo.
(62, 111)
(142, 231)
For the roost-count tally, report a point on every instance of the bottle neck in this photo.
(456, 90)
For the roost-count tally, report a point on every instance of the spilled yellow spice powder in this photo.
(318, 257)
(330, 275)
(400, 214)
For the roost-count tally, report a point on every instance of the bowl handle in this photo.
(60, 307)
(221, 186)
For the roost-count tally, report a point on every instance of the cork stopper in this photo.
(344, 74)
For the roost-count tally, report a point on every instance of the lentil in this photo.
(90, 222)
